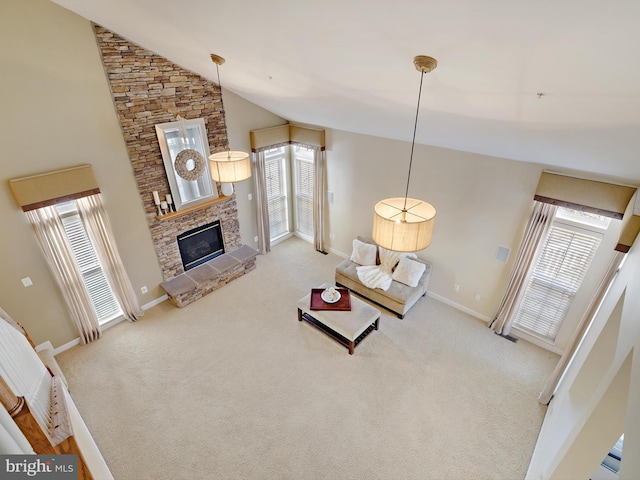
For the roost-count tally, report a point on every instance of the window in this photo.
(100, 293)
(276, 186)
(293, 212)
(561, 265)
(303, 186)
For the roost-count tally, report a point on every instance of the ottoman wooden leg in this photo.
(377, 323)
(299, 315)
(352, 345)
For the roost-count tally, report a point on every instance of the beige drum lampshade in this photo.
(230, 166)
(403, 230)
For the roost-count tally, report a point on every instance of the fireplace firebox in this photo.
(200, 244)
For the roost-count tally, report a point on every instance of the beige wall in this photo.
(482, 202)
(57, 112)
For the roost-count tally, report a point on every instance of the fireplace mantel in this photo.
(193, 208)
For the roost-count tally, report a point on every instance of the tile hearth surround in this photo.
(147, 89)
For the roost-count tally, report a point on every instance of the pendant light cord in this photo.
(413, 141)
(224, 115)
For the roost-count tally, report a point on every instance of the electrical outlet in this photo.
(144, 289)
(477, 297)
(456, 287)
(332, 236)
(26, 281)
(250, 196)
(255, 239)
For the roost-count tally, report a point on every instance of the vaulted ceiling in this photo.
(348, 65)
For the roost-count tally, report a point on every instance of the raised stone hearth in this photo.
(204, 279)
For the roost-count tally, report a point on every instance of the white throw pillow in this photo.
(363, 253)
(408, 272)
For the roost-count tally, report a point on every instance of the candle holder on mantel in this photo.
(156, 200)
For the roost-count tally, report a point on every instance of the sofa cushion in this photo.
(363, 253)
(408, 271)
(397, 291)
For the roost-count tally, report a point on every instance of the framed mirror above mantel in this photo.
(185, 153)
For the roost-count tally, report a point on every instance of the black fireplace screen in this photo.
(200, 244)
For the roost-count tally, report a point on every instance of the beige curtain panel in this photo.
(319, 198)
(262, 203)
(97, 225)
(52, 238)
(537, 229)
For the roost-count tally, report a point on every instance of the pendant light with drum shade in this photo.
(229, 166)
(405, 224)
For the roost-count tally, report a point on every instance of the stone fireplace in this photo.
(148, 89)
(166, 229)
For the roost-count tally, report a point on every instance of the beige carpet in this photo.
(234, 387)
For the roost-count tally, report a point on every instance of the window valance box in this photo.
(272, 136)
(602, 198)
(307, 136)
(608, 199)
(629, 233)
(267, 137)
(43, 189)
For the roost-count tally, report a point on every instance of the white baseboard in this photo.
(155, 302)
(44, 346)
(462, 308)
(338, 253)
(66, 346)
(76, 341)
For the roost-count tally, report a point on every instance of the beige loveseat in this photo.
(398, 298)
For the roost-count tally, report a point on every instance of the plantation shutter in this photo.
(557, 276)
(304, 194)
(100, 292)
(276, 196)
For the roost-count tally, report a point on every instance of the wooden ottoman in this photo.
(346, 327)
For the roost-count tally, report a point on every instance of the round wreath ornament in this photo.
(189, 164)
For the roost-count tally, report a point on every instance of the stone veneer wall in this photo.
(148, 89)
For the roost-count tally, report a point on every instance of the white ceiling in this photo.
(348, 65)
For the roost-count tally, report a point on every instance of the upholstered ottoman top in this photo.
(349, 324)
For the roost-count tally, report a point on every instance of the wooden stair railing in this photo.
(59, 439)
